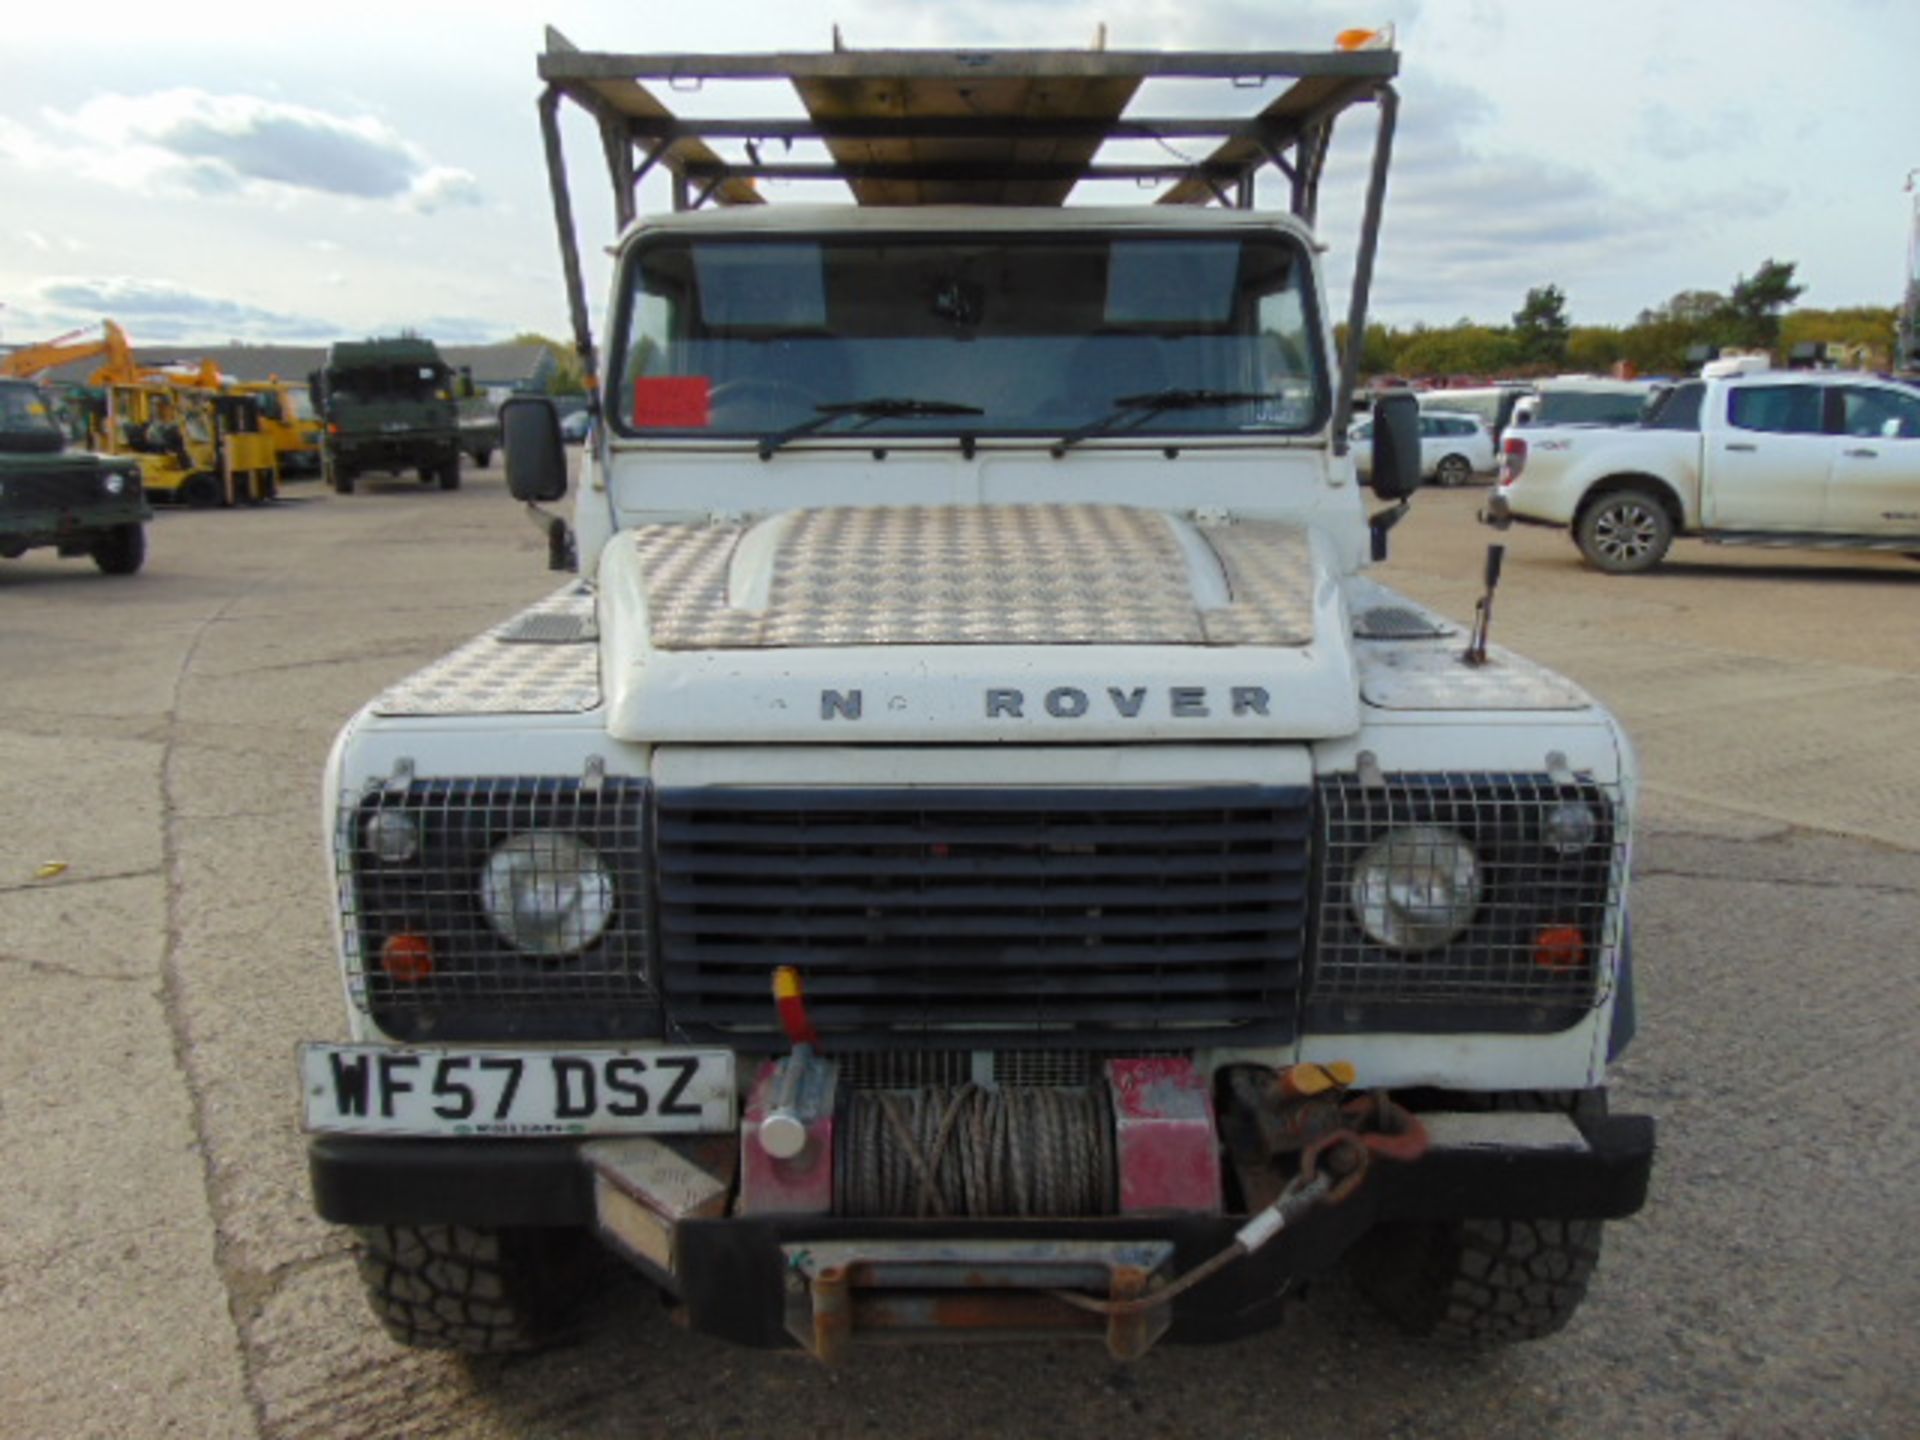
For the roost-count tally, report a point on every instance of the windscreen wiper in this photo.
(880, 407)
(1142, 408)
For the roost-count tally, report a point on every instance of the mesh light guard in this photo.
(1487, 978)
(482, 988)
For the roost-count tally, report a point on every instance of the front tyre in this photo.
(1624, 532)
(1453, 471)
(1478, 1282)
(121, 551)
(481, 1292)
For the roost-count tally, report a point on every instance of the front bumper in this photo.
(377, 452)
(71, 527)
(735, 1275)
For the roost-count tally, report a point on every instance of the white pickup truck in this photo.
(1827, 460)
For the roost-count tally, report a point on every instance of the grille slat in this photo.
(949, 896)
(1030, 916)
(1116, 954)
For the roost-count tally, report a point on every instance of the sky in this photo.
(297, 173)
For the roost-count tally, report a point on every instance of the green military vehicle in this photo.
(392, 405)
(79, 503)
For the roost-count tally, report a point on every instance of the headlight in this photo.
(115, 484)
(1416, 888)
(546, 893)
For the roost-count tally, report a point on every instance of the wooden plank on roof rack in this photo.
(1100, 101)
(575, 64)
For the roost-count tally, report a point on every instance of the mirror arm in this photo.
(1380, 522)
(561, 552)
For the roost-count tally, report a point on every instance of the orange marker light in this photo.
(1559, 947)
(407, 958)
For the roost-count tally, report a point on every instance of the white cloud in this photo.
(240, 145)
(159, 310)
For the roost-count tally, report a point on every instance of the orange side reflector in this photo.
(407, 958)
(1559, 947)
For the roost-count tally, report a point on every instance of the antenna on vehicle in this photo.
(1476, 651)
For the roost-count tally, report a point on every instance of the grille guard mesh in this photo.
(482, 987)
(1488, 977)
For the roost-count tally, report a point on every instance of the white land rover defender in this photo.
(972, 850)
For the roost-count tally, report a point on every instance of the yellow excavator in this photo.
(199, 439)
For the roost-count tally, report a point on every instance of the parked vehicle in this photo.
(1492, 404)
(973, 855)
(1821, 459)
(389, 404)
(1584, 400)
(288, 420)
(76, 503)
(1453, 448)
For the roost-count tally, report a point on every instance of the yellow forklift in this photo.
(199, 438)
(197, 445)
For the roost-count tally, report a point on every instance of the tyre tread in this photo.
(454, 1287)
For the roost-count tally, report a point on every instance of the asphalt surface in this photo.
(161, 738)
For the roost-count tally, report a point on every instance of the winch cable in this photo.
(969, 1151)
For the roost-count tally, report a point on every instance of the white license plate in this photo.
(383, 1090)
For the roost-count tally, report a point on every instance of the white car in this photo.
(1453, 447)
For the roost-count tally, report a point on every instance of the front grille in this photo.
(1068, 919)
(66, 489)
(480, 986)
(1491, 977)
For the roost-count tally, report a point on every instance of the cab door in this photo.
(1874, 487)
(1766, 468)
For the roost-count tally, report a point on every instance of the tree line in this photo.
(1755, 313)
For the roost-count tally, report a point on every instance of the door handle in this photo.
(1741, 445)
(1860, 454)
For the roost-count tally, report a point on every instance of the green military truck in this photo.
(392, 405)
(76, 502)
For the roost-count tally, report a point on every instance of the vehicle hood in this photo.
(971, 623)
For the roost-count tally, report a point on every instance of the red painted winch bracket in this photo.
(1166, 1144)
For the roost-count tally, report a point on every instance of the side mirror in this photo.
(535, 458)
(1396, 445)
(313, 392)
(466, 382)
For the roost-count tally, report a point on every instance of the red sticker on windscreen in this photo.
(673, 402)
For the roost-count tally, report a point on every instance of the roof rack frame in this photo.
(639, 134)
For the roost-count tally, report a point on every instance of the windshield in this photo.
(1590, 407)
(390, 382)
(23, 411)
(1038, 334)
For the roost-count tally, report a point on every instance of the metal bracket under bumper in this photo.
(909, 1291)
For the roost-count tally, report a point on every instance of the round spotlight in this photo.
(393, 836)
(1569, 827)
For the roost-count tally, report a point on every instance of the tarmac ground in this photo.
(162, 1273)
